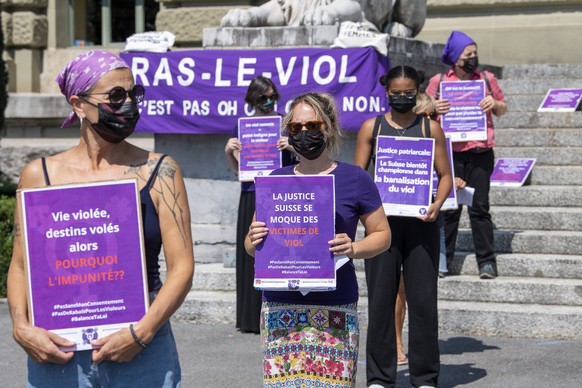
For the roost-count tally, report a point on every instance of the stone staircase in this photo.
(538, 233)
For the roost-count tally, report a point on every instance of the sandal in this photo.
(402, 359)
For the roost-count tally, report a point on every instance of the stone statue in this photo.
(403, 18)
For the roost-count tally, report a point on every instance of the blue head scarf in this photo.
(454, 48)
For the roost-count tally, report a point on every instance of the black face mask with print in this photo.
(116, 124)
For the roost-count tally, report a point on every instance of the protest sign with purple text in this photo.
(561, 100)
(202, 91)
(259, 154)
(403, 174)
(451, 201)
(299, 212)
(511, 172)
(84, 258)
(465, 120)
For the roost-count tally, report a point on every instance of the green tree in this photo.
(6, 238)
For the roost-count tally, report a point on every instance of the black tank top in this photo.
(151, 227)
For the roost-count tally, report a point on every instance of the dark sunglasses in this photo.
(118, 95)
(294, 127)
(264, 98)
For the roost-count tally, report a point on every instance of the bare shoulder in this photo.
(32, 175)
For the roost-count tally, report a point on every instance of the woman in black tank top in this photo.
(415, 247)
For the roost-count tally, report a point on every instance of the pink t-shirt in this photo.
(433, 87)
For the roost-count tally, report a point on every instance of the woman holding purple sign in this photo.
(414, 250)
(101, 90)
(263, 96)
(312, 339)
(473, 160)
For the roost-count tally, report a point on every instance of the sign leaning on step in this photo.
(299, 212)
(259, 154)
(465, 120)
(511, 172)
(85, 258)
(403, 174)
(561, 100)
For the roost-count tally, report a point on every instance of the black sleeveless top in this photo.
(151, 227)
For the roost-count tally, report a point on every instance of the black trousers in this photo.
(475, 169)
(415, 248)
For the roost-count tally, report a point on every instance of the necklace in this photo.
(399, 129)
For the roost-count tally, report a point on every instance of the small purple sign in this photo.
(202, 91)
(511, 172)
(465, 120)
(85, 260)
(259, 154)
(451, 201)
(403, 174)
(300, 214)
(561, 100)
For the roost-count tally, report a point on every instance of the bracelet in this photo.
(137, 340)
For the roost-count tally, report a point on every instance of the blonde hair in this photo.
(325, 110)
(425, 104)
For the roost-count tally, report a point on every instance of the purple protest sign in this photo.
(451, 201)
(561, 100)
(300, 214)
(511, 172)
(465, 120)
(202, 91)
(403, 174)
(259, 154)
(85, 259)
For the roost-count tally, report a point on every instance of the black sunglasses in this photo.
(264, 98)
(118, 95)
(294, 127)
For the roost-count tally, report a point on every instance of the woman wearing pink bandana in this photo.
(473, 160)
(100, 88)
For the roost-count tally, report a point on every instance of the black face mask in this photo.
(402, 104)
(309, 143)
(470, 64)
(115, 125)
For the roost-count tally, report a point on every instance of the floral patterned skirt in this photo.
(309, 346)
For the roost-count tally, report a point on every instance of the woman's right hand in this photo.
(232, 145)
(42, 346)
(460, 184)
(442, 107)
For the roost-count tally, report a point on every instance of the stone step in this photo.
(538, 137)
(512, 290)
(544, 155)
(516, 87)
(523, 265)
(537, 195)
(529, 241)
(556, 175)
(539, 120)
(455, 317)
(532, 218)
(533, 72)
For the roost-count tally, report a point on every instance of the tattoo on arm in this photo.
(170, 195)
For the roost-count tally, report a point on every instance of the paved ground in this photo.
(218, 356)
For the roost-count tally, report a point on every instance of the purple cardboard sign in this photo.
(300, 214)
(511, 172)
(85, 259)
(403, 174)
(259, 154)
(202, 91)
(465, 120)
(451, 201)
(561, 100)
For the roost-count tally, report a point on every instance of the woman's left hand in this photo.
(283, 144)
(431, 213)
(342, 244)
(118, 347)
(488, 104)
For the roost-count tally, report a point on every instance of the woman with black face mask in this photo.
(414, 250)
(100, 88)
(473, 160)
(317, 334)
(262, 96)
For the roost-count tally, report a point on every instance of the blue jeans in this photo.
(443, 251)
(155, 366)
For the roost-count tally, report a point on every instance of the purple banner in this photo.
(300, 214)
(511, 172)
(465, 120)
(259, 154)
(202, 91)
(403, 174)
(561, 100)
(84, 252)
